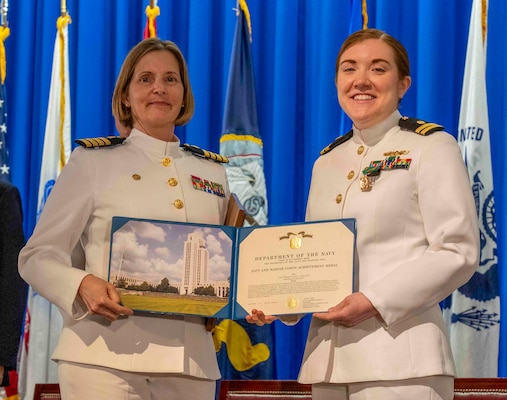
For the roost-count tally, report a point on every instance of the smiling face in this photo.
(368, 83)
(155, 94)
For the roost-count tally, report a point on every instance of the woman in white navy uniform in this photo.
(417, 237)
(104, 351)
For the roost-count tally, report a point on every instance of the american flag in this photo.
(5, 173)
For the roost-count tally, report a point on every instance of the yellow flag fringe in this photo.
(61, 23)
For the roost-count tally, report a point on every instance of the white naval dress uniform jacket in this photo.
(417, 241)
(94, 186)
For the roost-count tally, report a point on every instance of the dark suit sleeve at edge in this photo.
(13, 290)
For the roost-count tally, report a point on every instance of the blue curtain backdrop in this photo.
(295, 43)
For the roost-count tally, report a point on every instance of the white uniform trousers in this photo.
(83, 382)
(427, 388)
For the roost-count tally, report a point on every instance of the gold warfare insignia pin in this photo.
(295, 239)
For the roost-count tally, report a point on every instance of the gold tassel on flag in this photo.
(364, 12)
(244, 7)
(62, 22)
(484, 19)
(152, 12)
(4, 34)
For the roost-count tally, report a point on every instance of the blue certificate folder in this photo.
(180, 268)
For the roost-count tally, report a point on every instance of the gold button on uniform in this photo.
(172, 182)
(136, 177)
(178, 204)
(360, 150)
(350, 175)
(339, 199)
(166, 162)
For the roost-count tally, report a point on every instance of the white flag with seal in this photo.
(472, 312)
(43, 319)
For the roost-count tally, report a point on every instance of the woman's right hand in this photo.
(102, 298)
(257, 317)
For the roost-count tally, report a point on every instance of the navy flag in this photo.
(241, 142)
(244, 351)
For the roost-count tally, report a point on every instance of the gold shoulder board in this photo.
(197, 151)
(418, 126)
(105, 141)
(339, 140)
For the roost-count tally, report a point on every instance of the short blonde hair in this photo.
(121, 112)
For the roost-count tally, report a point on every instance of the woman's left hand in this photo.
(353, 309)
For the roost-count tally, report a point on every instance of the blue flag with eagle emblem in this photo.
(472, 312)
(244, 351)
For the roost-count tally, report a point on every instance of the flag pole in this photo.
(5, 8)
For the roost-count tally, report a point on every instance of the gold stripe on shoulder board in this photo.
(197, 151)
(105, 141)
(419, 126)
(428, 127)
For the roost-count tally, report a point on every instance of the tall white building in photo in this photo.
(196, 258)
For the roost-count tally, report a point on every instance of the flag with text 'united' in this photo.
(5, 170)
(472, 312)
(244, 351)
(43, 319)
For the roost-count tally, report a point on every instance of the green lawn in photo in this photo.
(193, 305)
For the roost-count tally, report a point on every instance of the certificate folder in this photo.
(218, 271)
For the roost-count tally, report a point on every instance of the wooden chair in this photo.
(47, 391)
(264, 390)
(480, 389)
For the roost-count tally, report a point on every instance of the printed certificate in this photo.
(296, 268)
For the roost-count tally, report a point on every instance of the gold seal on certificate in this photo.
(292, 302)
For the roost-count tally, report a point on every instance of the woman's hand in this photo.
(353, 309)
(101, 298)
(257, 317)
